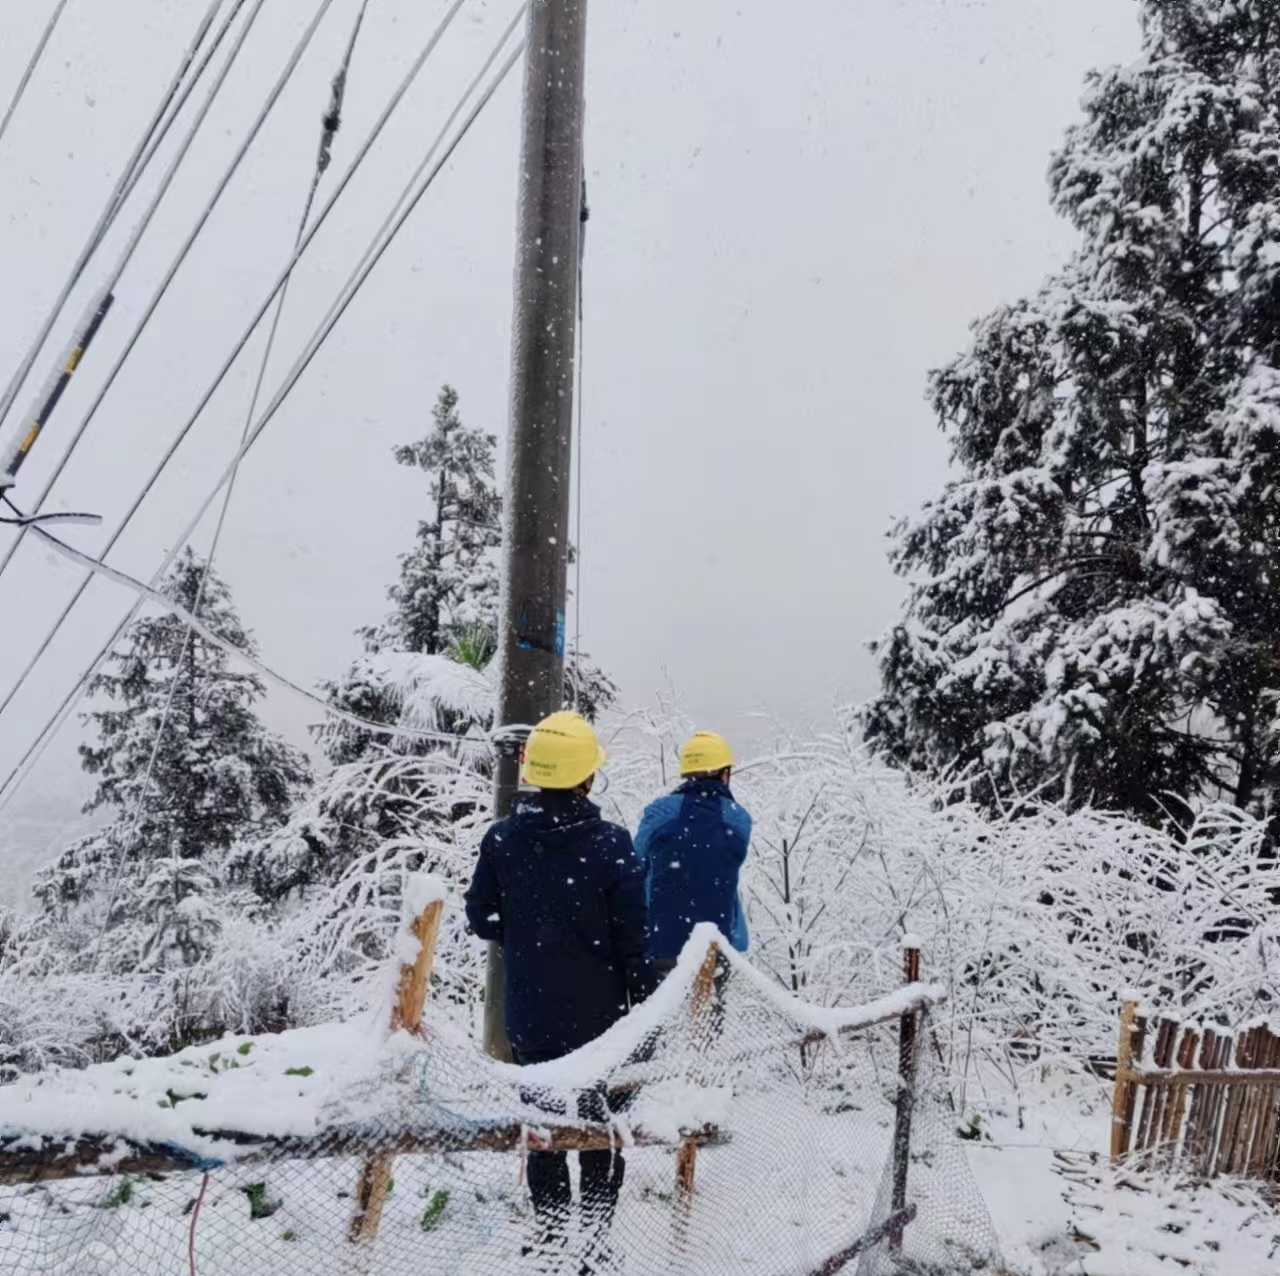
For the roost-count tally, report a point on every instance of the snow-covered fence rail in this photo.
(246, 1160)
(1198, 1098)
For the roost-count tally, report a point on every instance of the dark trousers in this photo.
(601, 1172)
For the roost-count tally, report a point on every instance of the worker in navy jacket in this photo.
(563, 893)
(692, 845)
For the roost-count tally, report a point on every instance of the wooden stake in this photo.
(1193, 1146)
(1266, 1152)
(1234, 1109)
(1264, 1124)
(1255, 1098)
(1125, 1092)
(1178, 1102)
(906, 1100)
(1218, 1108)
(411, 994)
(702, 994)
(1154, 1097)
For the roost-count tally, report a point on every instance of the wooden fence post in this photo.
(687, 1156)
(1124, 1097)
(411, 994)
(907, 1034)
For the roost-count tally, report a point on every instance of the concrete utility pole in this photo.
(532, 635)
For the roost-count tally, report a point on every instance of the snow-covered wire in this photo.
(20, 519)
(329, 127)
(65, 708)
(146, 593)
(192, 239)
(104, 293)
(45, 36)
(189, 86)
(382, 241)
(360, 276)
(108, 215)
(273, 97)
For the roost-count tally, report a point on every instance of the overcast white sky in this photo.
(797, 210)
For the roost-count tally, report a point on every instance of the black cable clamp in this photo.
(509, 741)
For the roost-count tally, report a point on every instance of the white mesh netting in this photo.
(737, 1130)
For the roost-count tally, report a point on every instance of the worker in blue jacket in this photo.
(563, 893)
(692, 845)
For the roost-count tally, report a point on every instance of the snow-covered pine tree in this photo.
(1093, 601)
(445, 602)
(448, 586)
(185, 770)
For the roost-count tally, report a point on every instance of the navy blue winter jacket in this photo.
(563, 893)
(692, 844)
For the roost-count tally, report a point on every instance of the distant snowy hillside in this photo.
(36, 829)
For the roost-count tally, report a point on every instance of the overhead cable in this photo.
(88, 329)
(285, 76)
(279, 286)
(107, 217)
(188, 87)
(387, 234)
(194, 624)
(330, 124)
(64, 710)
(350, 291)
(584, 215)
(41, 45)
(39, 417)
(193, 237)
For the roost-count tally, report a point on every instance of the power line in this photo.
(40, 414)
(146, 593)
(391, 229)
(356, 282)
(432, 43)
(280, 283)
(277, 89)
(43, 43)
(188, 88)
(329, 127)
(105, 298)
(107, 217)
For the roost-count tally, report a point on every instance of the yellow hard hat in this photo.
(562, 752)
(705, 752)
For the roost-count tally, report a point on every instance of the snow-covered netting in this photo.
(751, 1133)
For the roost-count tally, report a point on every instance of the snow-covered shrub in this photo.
(1037, 920)
(1091, 601)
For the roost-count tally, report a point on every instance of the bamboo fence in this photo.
(1197, 1099)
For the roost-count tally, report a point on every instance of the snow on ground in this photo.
(799, 1174)
(270, 1085)
(794, 1182)
(1060, 1209)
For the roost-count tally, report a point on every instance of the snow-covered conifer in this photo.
(185, 770)
(445, 602)
(1093, 599)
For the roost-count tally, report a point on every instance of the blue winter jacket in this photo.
(563, 894)
(692, 844)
